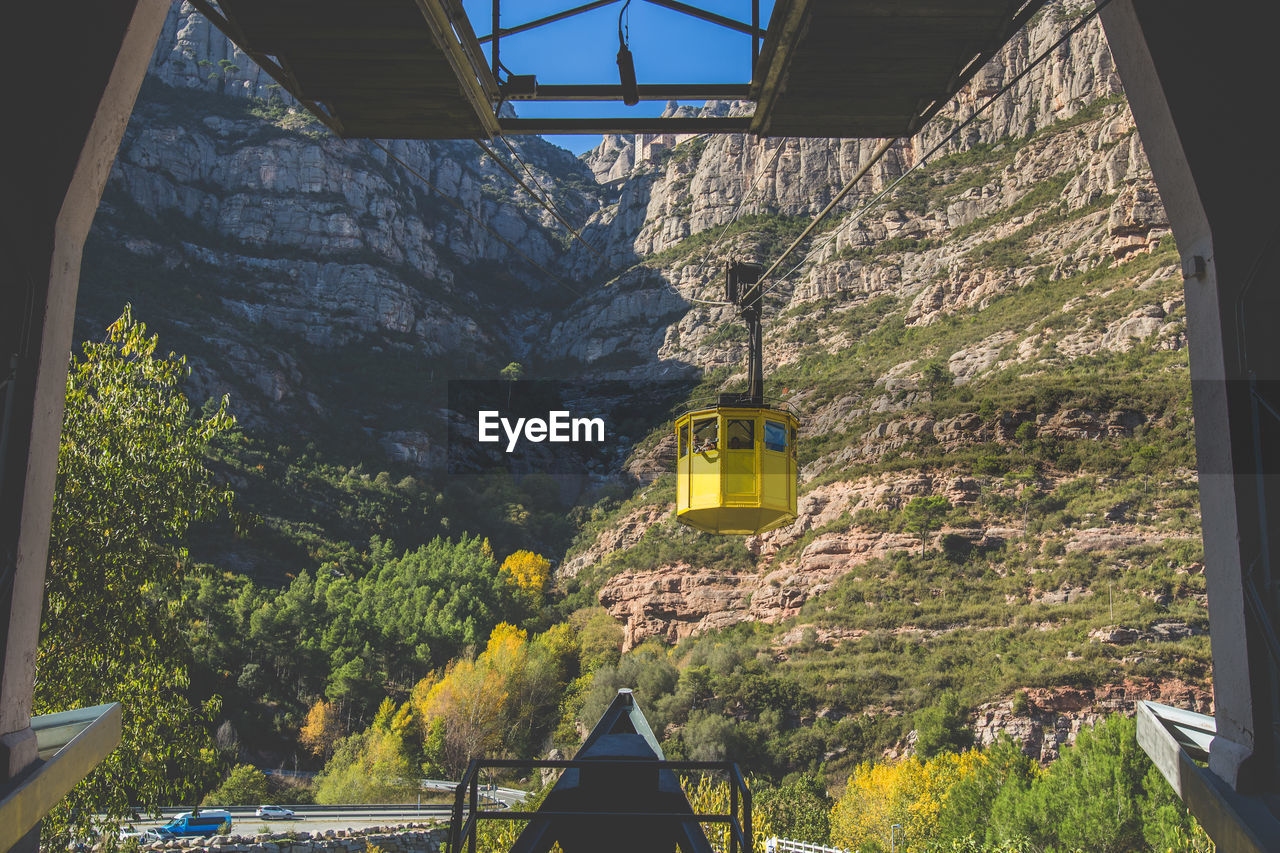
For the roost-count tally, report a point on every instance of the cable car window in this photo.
(775, 437)
(742, 434)
(706, 435)
(684, 440)
(793, 441)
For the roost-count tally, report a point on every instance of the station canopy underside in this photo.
(416, 69)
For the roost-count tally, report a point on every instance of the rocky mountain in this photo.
(284, 239)
(1004, 329)
(1004, 303)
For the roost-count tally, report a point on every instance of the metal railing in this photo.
(466, 799)
(774, 844)
(732, 401)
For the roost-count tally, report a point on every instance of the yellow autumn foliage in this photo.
(710, 795)
(527, 571)
(322, 729)
(469, 696)
(910, 794)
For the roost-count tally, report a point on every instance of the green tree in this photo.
(647, 670)
(943, 727)
(936, 377)
(245, 785)
(1024, 483)
(131, 481)
(966, 814)
(372, 766)
(431, 602)
(512, 373)
(799, 809)
(1166, 824)
(924, 514)
(600, 636)
(1092, 797)
(1025, 434)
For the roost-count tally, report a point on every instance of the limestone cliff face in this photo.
(1050, 185)
(307, 256)
(671, 188)
(300, 247)
(192, 54)
(327, 243)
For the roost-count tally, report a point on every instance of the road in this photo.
(313, 818)
(509, 797)
(322, 818)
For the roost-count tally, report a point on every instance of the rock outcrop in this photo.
(300, 250)
(1052, 717)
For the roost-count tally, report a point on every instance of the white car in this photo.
(144, 836)
(270, 812)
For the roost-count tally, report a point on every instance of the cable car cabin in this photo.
(736, 468)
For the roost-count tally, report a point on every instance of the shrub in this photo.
(245, 785)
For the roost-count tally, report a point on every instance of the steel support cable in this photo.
(751, 190)
(454, 202)
(734, 218)
(666, 284)
(1071, 31)
(546, 195)
(880, 151)
(545, 203)
(549, 208)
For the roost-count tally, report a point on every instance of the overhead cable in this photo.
(455, 203)
(515, 155)
(545, 204)
(1071, 31)
(849, 185)
(751, 191)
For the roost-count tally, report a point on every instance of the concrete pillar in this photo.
(1192, 75)
(74, 72)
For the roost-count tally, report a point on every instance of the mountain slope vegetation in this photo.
(999, 526)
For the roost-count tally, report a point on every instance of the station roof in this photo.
(873, 68)
(415, 69)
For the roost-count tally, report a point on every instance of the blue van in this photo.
(203, 824)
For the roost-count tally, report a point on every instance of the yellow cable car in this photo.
(736, 459)
(736, 468)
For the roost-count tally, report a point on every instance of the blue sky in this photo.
(669, 47)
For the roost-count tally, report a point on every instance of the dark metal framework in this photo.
(743, 289)
(586, 92)
(415, 69)
(618, 792)
(467, 812)
(8, 543)
(1260, 582)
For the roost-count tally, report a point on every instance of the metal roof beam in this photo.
(775, 56)
(279, 71)
(503, 32)
(648, 92)
(71, 744)
(733, 124)
(712, 17)
(674, 5)
(452, 32)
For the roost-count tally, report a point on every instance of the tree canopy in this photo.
(131, 481)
